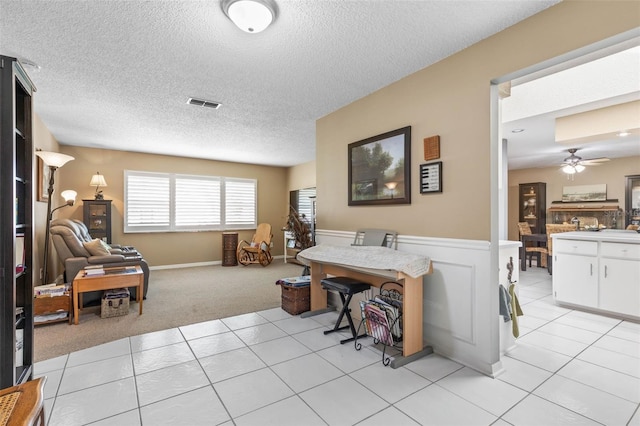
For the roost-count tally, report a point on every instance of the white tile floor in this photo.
(269, 368)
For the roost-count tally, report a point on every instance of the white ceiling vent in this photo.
(200, 102)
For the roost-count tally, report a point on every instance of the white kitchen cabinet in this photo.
(598, 270)
(575, 266)
(620, 278)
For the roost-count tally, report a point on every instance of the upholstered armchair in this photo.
(77, 249)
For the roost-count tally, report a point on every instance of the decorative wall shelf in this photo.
(573, 203)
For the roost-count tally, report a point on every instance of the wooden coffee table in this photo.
(116, 277)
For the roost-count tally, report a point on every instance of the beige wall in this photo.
(274, 183)
(451, 99)
(169, 248)
(612, 173)
(300, 177)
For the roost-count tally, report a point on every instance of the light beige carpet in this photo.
(176, 297)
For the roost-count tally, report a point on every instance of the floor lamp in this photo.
(53, 160)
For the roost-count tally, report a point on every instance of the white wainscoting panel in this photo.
(451, 308)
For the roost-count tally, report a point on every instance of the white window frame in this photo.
(225, 223)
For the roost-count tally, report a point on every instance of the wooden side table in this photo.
(114, 277)
(23, 404)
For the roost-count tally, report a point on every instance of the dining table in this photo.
(539, 239)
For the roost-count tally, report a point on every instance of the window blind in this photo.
(172, 202)
(148, 201)
(240, 202)
(197, 202)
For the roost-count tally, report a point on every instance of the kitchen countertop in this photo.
(608, 235)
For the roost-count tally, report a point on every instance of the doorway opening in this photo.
(527, 104)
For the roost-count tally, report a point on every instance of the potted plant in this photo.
(299, 226)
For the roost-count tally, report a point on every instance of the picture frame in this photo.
(431, 178)
(580, 193)
(431, 148)
(380, 169)
(44, 174)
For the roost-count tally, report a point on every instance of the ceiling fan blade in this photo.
(594, 161)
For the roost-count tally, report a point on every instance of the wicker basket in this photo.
(115, 303)
(296, 300)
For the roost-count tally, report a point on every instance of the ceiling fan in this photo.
(575, 164)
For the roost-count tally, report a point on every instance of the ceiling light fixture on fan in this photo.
(575, 164)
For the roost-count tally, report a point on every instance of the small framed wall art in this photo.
(431, 177)
(432, 148)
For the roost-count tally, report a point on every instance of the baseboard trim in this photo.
(185, 265)
(193, 265)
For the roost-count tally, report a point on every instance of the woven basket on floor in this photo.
(296, 300)
(115, 303)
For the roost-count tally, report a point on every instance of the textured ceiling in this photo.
(117, 74)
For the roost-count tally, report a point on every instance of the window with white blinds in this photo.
(197, 202)
(240, 202)
(170, 202)
(147, 201)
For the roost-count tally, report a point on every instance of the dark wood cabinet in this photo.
(97, 217)
(229, 247)
(16, 224)
(632, 200)
(533, 206)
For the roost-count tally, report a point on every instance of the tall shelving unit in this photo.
(16, 224)
(533, 206)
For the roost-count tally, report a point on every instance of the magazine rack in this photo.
(382, 318)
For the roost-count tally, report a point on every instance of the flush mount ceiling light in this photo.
(251, 16)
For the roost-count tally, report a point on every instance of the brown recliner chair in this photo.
(68, 238)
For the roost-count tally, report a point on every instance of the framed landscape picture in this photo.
(572, 194)
(380, 169)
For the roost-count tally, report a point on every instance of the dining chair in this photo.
(554, 228)
(530, 251)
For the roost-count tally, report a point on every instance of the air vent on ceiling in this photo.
(200, 102)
